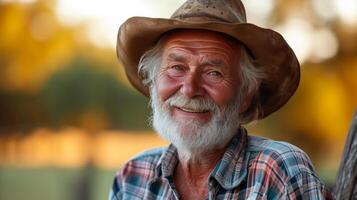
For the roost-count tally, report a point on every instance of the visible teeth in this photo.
(191, 110)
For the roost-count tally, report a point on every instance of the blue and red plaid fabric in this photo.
(251, 168)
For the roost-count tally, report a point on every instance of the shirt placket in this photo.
(173, 191)
(213, 188)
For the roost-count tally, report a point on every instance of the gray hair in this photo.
(251, 77)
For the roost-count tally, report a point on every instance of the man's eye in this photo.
(215, 73)
(176, 70)
(177, 67)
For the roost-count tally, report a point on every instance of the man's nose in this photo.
(191, 86)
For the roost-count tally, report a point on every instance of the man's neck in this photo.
(192, 172)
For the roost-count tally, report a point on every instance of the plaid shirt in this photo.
(251, 168)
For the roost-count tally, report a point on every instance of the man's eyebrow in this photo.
(176, 57)
(214, 62)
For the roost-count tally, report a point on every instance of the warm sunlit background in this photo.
(69, 119)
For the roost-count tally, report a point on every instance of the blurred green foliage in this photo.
(78, 91)
(81, 89)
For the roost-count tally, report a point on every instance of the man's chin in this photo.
(190, 125)
(191, 137)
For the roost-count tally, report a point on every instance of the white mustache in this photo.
(199, 104)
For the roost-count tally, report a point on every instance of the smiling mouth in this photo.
(190, 110)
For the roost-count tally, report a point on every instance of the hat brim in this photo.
(269, 49)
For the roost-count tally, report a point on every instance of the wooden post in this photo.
(346, 184)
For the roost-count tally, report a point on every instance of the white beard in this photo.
(193, 136)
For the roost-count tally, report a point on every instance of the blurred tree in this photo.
(82, 96)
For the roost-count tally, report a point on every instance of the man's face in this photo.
(198, 64)
(195, 96)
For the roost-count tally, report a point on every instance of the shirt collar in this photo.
(230, 170)
(167, 162)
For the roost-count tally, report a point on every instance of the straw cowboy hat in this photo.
(267, 47)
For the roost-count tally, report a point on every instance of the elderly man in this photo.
(207, 73)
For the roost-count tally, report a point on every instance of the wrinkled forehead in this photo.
(192, 35)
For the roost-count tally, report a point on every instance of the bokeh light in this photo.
(347, 11)
(104, 16)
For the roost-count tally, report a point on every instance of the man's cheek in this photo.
(167, 86)
(221, 96)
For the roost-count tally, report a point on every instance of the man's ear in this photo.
(246, 102)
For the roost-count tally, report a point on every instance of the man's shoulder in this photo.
(279, 155)
(140, 169)
(143, 163)
(150, 154)
(265, 145)
(287, 168)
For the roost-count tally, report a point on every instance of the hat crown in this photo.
(229, 11)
